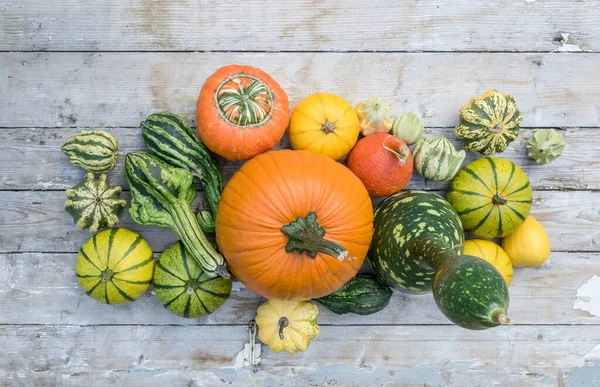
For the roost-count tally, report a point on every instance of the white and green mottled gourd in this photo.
(437, 159)
(93, 150)
(93, 203)
(545, 145)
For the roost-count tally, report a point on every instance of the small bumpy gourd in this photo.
(437, 159)
(545, 145)
(93, 150)
(93, 203)
(374, 116)
(408, 127)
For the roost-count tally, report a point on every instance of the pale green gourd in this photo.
(408, 127)
(545, 145)
(437, 159)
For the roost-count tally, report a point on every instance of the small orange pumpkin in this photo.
(241, 112)
(294, 225)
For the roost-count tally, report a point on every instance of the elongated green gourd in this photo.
(168, 136)
(93, 150)
(363, 294)
(161, 196)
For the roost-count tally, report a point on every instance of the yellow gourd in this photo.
(287, 325)
(324, 123)
(528, 245)
(493, 254)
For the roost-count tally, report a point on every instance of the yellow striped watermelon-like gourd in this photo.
(492, 197)
(115, 266)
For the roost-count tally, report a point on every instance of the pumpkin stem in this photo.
(305, 235)
(106, 275)
(401, 152)
(497, 129)
(328, 127)
(283, 322)
(498, 200)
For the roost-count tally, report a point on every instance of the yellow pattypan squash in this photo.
(287, 325)
(528, 245)
(493, 254)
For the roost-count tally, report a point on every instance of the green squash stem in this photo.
(306, 235)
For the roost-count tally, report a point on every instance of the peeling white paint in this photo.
(594, 353)
(588, 297)
(529, 1)
(566, 46)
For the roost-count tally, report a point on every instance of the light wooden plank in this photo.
(36, 222)
(210, 356)
(120, 89)
(42, 289)
(23, 150)
(323, 25)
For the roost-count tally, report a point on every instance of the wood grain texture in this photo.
(210, 356)
(43, 287)
(121, 89)
(318, 25)
(36, 222)
(22, 150)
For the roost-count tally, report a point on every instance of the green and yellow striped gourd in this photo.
(93, 150)
(184, 288)
(115, 266)
(492, 197)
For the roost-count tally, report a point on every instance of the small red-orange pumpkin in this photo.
(241, 112)
(294, 225)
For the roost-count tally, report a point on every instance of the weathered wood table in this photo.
(68, 65)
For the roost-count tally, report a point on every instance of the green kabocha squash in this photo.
(93, 150)
(437, 159)
(545, 145)
(417, 246)
(93, 203)
(408, 127)
(169, 137)
(161, 195)
(489, 123)
(363, 294)
(184, 288)
(492, 197)
(115, 266)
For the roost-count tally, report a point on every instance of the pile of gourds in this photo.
(296, 225)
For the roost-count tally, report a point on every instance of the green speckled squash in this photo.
(489, 123)
(363, 294)
(417, 246)
(93, 150)
(437, 159)
(184, 288)
(93, 203)
(492, 197)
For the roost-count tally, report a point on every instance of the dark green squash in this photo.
(417, 246)
(363, 294)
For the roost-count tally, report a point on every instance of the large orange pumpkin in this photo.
(294, 225)
(241, 112)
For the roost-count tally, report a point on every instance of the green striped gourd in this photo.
(417, 246)
(489, 123)
(161, 195)
(169, 137)
(492, 197)
(93, 203)
(184, 288)
(115, 266)
(93, 150)
(437, 159)
(363, 294)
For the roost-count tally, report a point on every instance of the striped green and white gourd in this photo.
(93, 203)
(93, 150)
(115, 266)
(168, 136)
(417, 246)
(437, 159)
(184, 288)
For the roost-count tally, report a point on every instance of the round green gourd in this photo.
(363, 294)
(408, 127)
(184, 288)
(545, 145)
(94, 150)
(417, 246)
(115, 266)
(492, 197)
(93, 203)
(437, 159)
(489, 123)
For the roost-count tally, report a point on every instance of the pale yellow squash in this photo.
(493, 254)
(528, 245)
